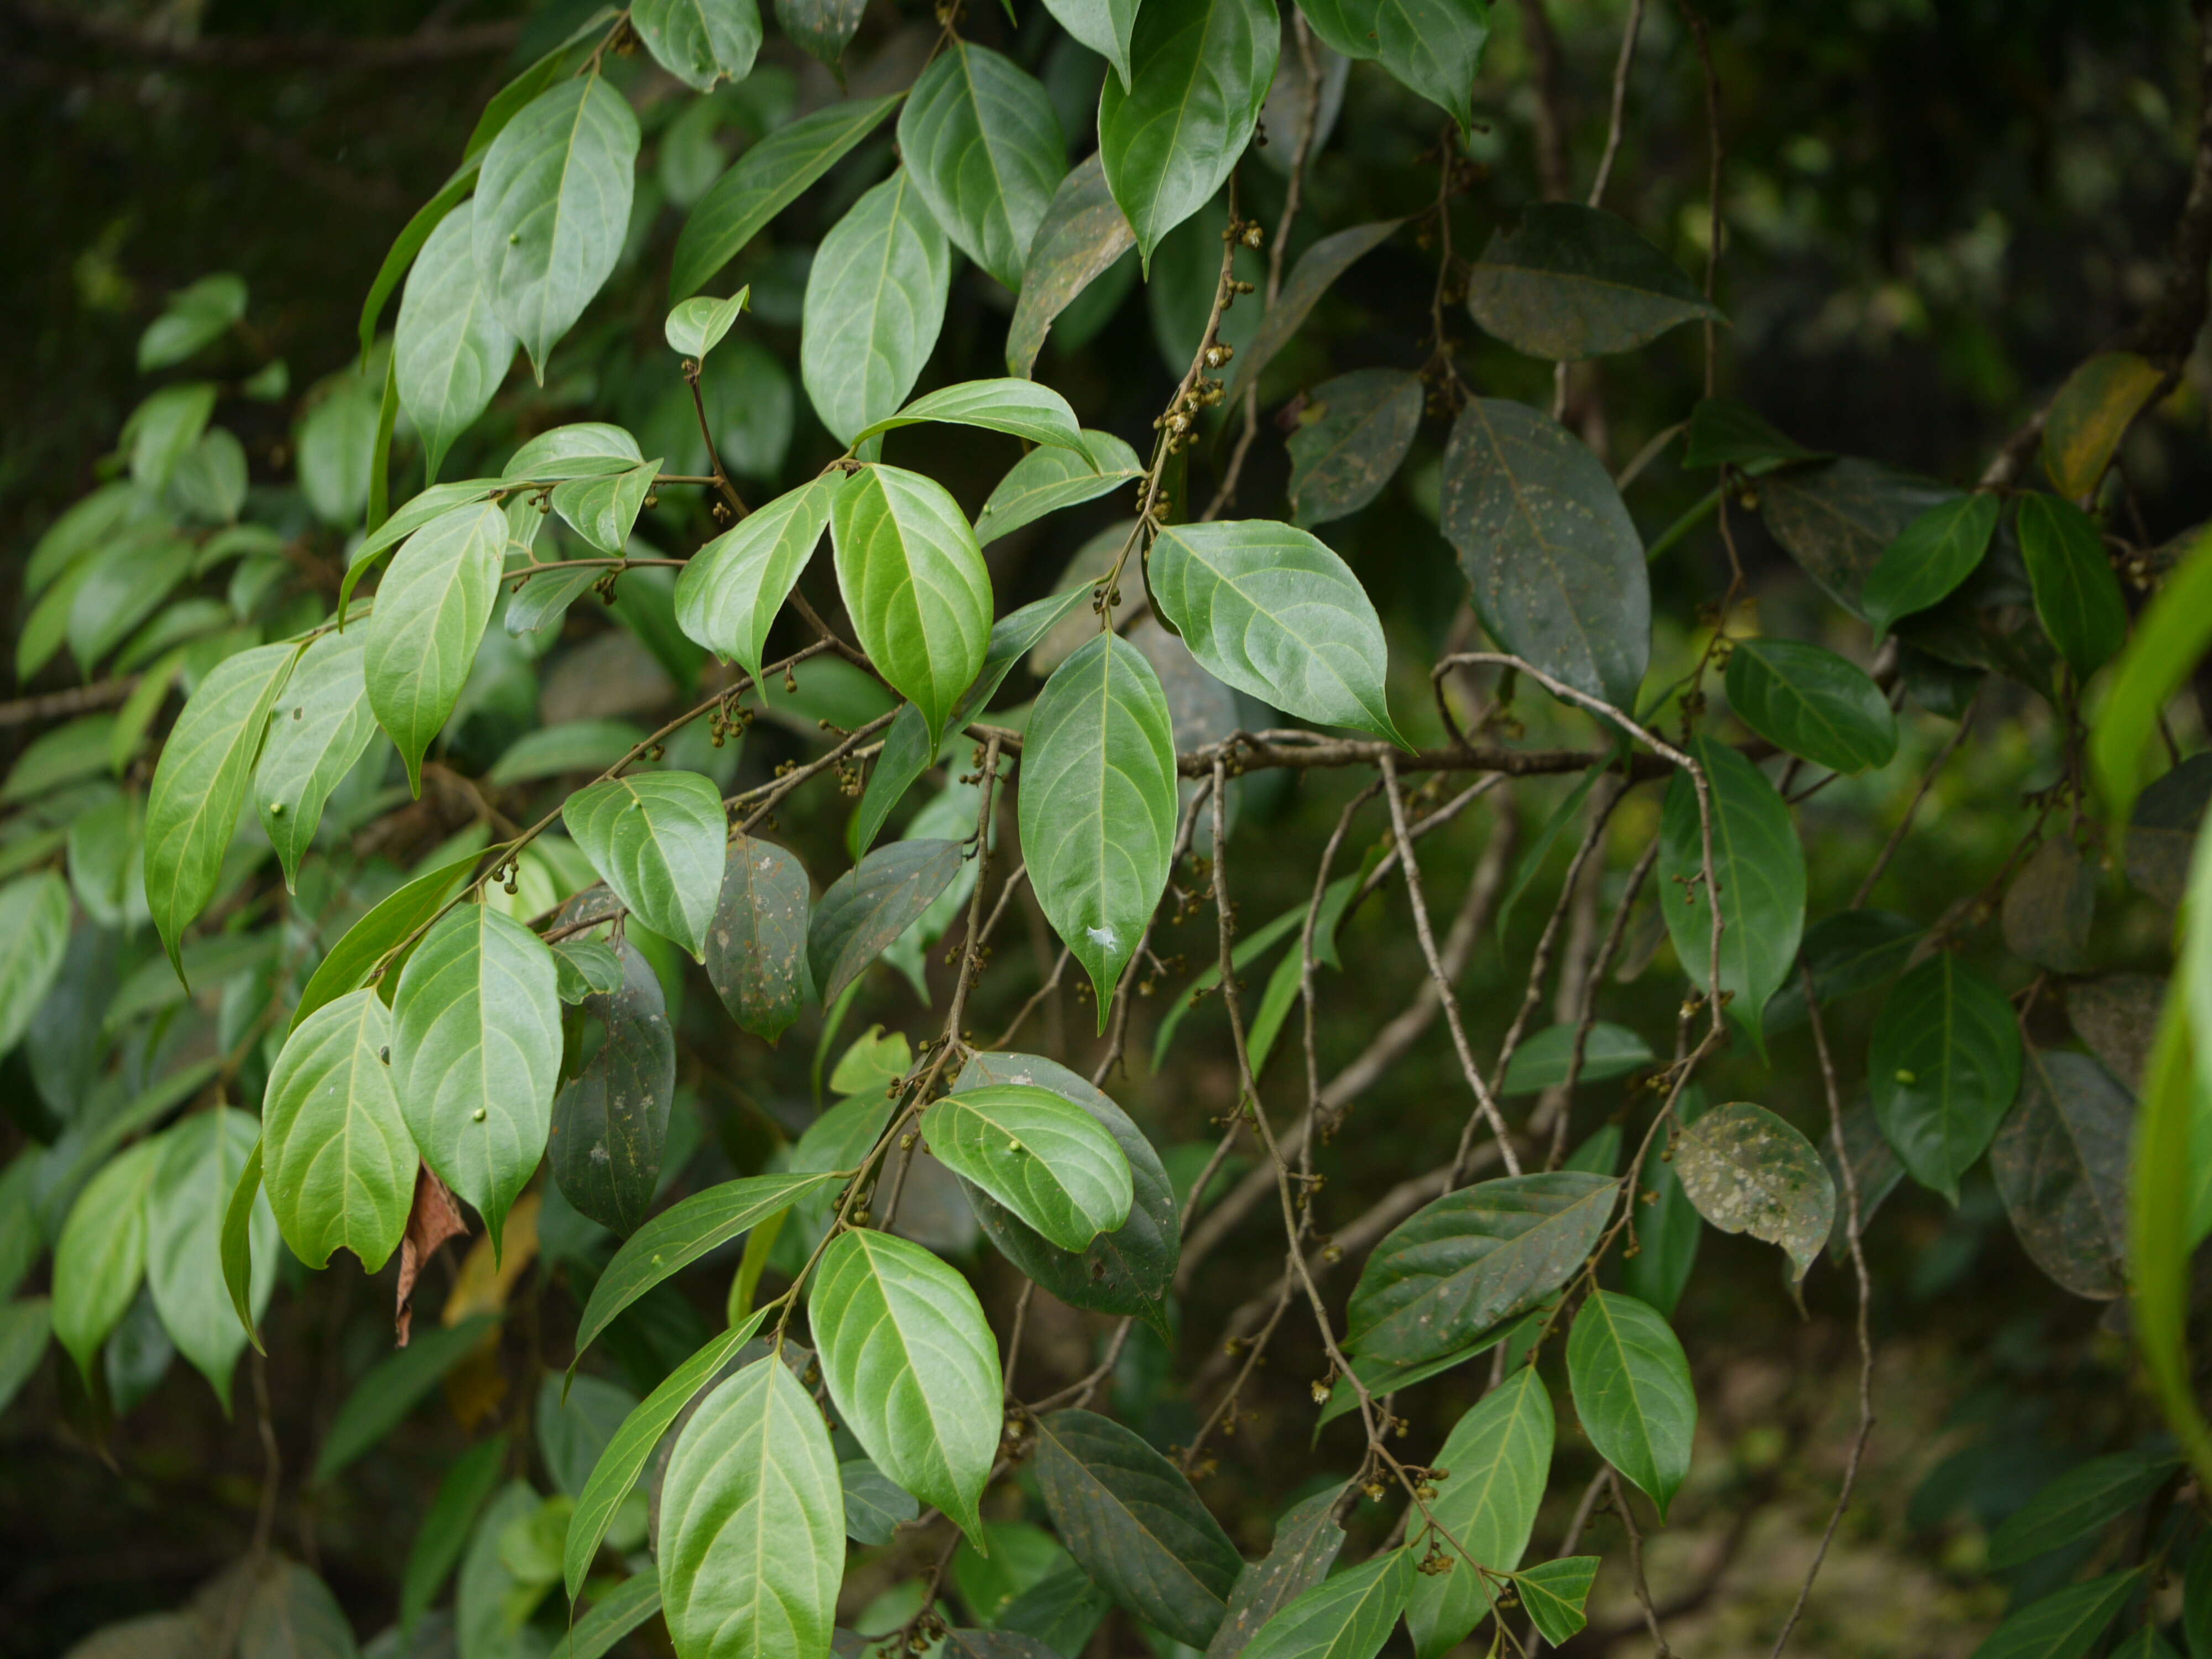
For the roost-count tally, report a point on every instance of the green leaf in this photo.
(875, 299)
(610, 1122)
(584, 966)
(475, 1051)
(1543, 1062)
(2061, 1164)
(1314, 273)
(201, 1162)
(2077, 595)
(822, 29)
(1554, 1593)
(544, 600)
(756, 943)
(696, 326)
(1472, 1258)
(871, 905)
(875, 1505)
(604, 509)
(1349, 1616)
(1046, 1160)
(1499, 1456)
(118, 589)
(2169, 639)
(553, 751)
(616, 1473)
(1432, 46)
(66, 755)
(1811, 703)
(391, 1389)
(1020, 409)
(25, 1327)
(1307, 1540)
(430, 613)
(433, 503)
(700, 42)
(199, 786)
(242, 1216)
(1356, 432)
(1928, 559)
(334, 448)
(1127, 1270)
(2196, 1599)
(467, 1487)
(767, 179)
(196, 316)
(1198, 74)
(2051, 905)
(100, 1256)
(613, 1616)
(1049, 478)
(1268, 609)
(552, 204)
(1082, 236)
(409, 243)
(1633, 1392)
(1748, 1172)
(915, 584)
(658, 840)
(318, 730)
(209, 483)
(1943, 1067)
(1133, 1524)
(162, 431)
(1104, 25)
(2162, 1229)
(356, 955)
(1570, 282)
(912, 1368)
(1760, 868)
(980, 138)
(1548, 547)
(1098, 805)
(337, 1160)
(2063, 1625)
(732, 588)
(451, 351)
(35, 929)
(1724, 432)
(752, 1522)
(682, 1233)
(1838, 518)
(582, 449)
(2079, 1503)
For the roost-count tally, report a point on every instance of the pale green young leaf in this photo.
(1021, 408)
(1499, 1456)
(765, 179)
(1633, 1392)
(752, 1522)
(915, 584)
(242, 1217)
(100, 1256)
(731, 589)
(875, 299)
(1098, 805)
(1348, 1616)
(334, 448)
(1082, 236)
(985, 149)
(209, 483)
(1433, 46)
(35, 929)
(1943, 1067)
(1267, 607)
(433, 503)
(911, 1367)
(320, 726)
(336, 1159)
(585, 966)
(700, 42)
(1198, 74)
(1047, 1159)
(581, 449)
(199, 786)
(202, 1159)
(658, 840)
(475, 1051)
(430, 613)
(695, 327)
(1050, 477)
(196, 316)
(552, 206)
(450, 350)
(1813, 703)
(118, 588)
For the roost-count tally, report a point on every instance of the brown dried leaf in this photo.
(435, 1219)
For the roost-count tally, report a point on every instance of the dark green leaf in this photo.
(2082, 1501)
(1554, 558)
(1348, 1616)
(1943, 1067)
(2060, 1163)
(875, 1506)
(1354, 435)
(823, 28)
(1929, 557)
(871, 905)
(390, 1389)
(1555, 1593)
(2117, 1015)
(25, 1325)
(611, 1122)
(1748, 1172)
(1811, 703)
(1570, 282)
(35, 931)
(1632, 1388)
(1433, 46)
(1543, 1062)
(2050, 906)
(1062, 1610)
(980, 136)
(1837, 520)
(1498, 1457)
(1082, 235)
(1851, 951)
(756, 943)
(1314, 273)
(436, 1551)
(1133, 1522)
(337, 1160)
(2063, 1625)
(2076, 594)
(1307, 1540)
(1724, 432)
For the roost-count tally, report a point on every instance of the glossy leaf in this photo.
(431, 610)
(1943, 1067)
(2061, 1164)
(731, 589)
(871, 905)
(756, 942)
(1633, 1392)
(35, 931)
(1083, 235)
(875, 299)
(2064, 1625)
(1472, 1258)
(700, 42)
(100, 1256)
(2077, 595)
(915, 585)
(336, 1159)
(752, 1522)
(1046, 1160)
(1811, 703)
(475, 1052)
(981, 139)
(1104, 25)
(1135, 1525)
(1356, 432)
(552, 206)
(1931, 555)
(450, 350)
(1499, 1456)
(1555, 1594)
(1570, 282)
(199, 786)
(318, 731)
(911, 1367)
(1760, 866)
(1020, 409)
(767, 179)
(1199, 72)
(1098, 804)
(660, 840)
(201, 1160)
(1748, 1172)
(610, 1122)
(1314, 273)
(1548, 547)
(1348, 1616)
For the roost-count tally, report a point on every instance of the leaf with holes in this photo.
(1943, 1067)
(1356, 432)
(731, 590)
(872, 904)
(1570, 282)
(610, 1122)
(430, 612)
(1811, 703)
(981, 138)
(319, 728)
(1632, 1391)
(875, 301)
(337, 1159)
(658, 840)
(1499, 1456)
(1046, 1160)
(1748, 1172)
(1082, 236)
(450, 350)
(2061, 1164)
(756, 942)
